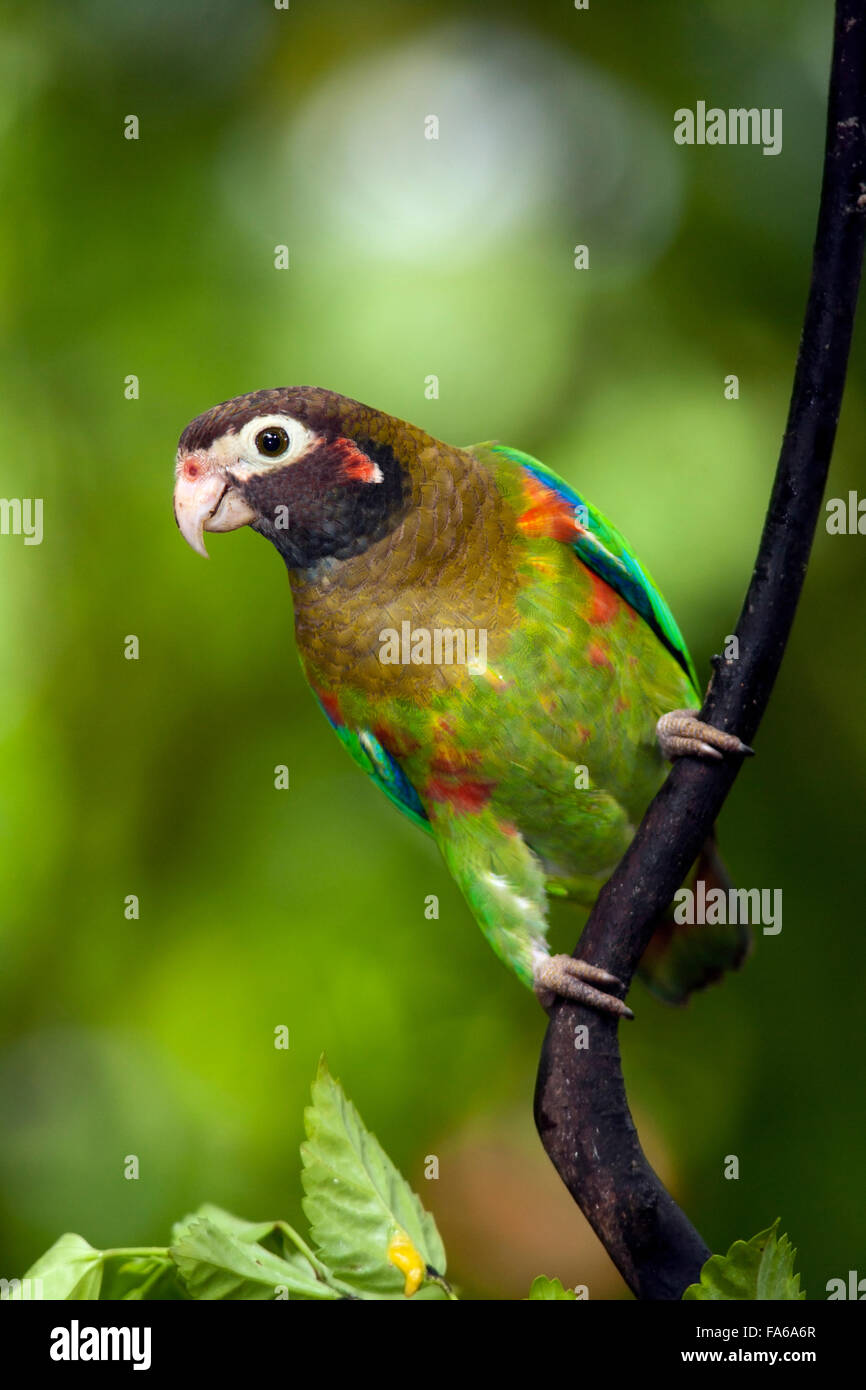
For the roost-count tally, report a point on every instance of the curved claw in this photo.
(682, 735)
(563, 976)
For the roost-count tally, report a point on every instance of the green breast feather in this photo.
(601, 547)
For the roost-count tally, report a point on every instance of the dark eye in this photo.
(273, 441)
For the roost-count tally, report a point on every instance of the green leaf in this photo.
(761, 1268)
(276, 1236)
(542, 1287)
(367, 1223)
(246, 1231)
(71, 1269)
(214, 1264)
(144, 1278)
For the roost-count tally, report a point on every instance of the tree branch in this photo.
(580, 1104)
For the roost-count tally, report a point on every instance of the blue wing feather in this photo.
(601, 546)
(378, 763)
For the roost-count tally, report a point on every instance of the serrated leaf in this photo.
(758, 1269)
(71, 1269)
(252, 1231)
(215, 1265)
(544, 1288)
(358, 1205)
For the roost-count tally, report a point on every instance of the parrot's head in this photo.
(319, 475)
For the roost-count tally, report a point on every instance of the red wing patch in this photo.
(454, 779)
(454, 763)
(463, 794)
(331, 706)
(548, 514)
(606, 602)
(397, 744)
(598, 655)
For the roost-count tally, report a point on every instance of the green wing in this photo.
(601, 546)
(386, 772)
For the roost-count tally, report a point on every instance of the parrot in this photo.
(488, 649)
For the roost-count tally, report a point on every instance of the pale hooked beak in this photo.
(206, 501)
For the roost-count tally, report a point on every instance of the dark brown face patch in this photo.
(333, 502)
(351, 488)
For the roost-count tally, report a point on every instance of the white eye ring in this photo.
(252, 460)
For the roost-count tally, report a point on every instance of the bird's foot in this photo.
(682, 735)
(565, 977)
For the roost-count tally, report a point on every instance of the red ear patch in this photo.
(353, 464)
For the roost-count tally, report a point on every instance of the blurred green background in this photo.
(154, 777)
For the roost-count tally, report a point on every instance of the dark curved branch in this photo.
(580, 1105)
